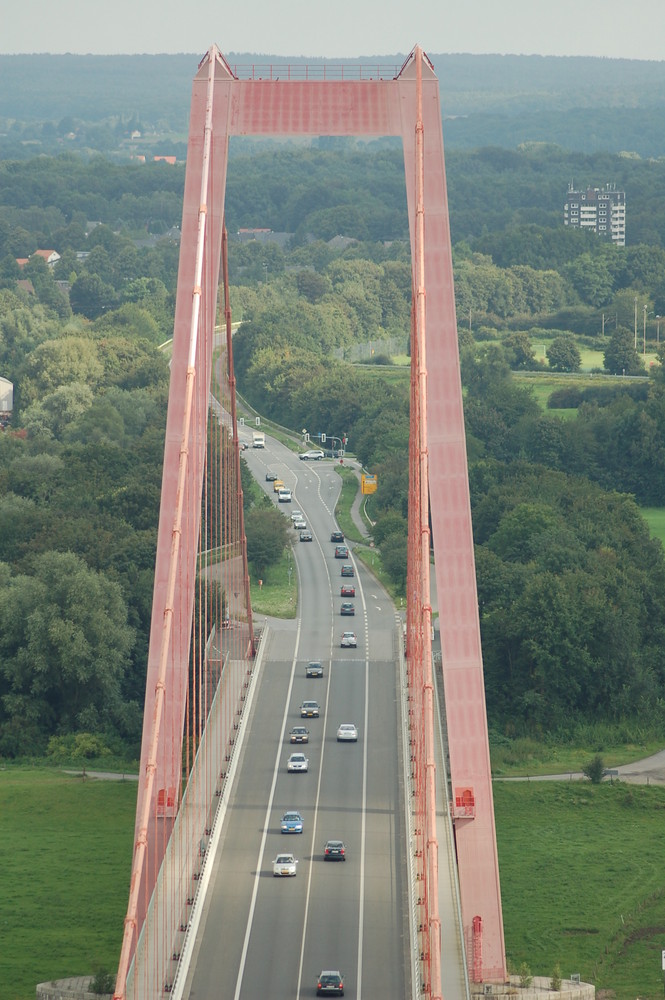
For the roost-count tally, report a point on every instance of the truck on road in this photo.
(258, 439)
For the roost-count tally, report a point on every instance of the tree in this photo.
(267, 537)
(91, 296)
(519, 351)
(60, 362)
(563, 355)
(620, 356)
(64, 648)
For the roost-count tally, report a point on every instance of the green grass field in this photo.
(66, 856)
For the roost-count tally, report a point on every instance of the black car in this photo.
(336, 536)
(305, 536)
(347, 608)
(341, 552)
(347, 569)
(330, 984)
(314, 669)
(271, 477)
(334, 850)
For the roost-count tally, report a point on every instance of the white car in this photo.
(349, 639)
(284, 496)
(347, 733)
(295, 514)
(284, 865)
(298, 762)
(311, 456)
(300, 523)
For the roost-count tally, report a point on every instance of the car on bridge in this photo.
(306, 536)
(297, 763)
(309, 710)
(347, 570)
(334, 850)
(284, 865)
(349, 640)
(314, 669)
(299, 735)
(330, 984)
(341, 552)
(315, 455)
(347, 733)
(291, 822)
(347, 608)
(336, 536)
(347, 590)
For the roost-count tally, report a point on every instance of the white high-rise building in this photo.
(602, 210)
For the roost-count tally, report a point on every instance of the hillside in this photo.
(586, 104)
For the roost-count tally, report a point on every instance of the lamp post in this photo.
(636, 322)
(644, 334)
(658, 331)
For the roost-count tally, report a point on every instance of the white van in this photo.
(284, 495)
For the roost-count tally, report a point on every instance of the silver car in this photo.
(297, 762)
(347, 733)
(284, 865)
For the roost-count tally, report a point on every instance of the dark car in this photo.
(347, 570)
(341, 552)
(299, 735)
(334, 850)
(314, 669)
(271, 477)
(347, 590)
(309, 710)
(305, 536)
(336, 536)
(330, 984)
(347, 608)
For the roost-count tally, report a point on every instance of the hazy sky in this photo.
(633, 29)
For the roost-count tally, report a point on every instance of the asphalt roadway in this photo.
(270, 937)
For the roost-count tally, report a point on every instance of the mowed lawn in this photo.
(582, 881)
(65, 854)
(581, 876)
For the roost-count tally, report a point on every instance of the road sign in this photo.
(368, 484)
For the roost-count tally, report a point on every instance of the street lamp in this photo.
(636, 322)
(658, 331)
(644, 335)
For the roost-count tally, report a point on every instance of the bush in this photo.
(594, 770)
(526, 979)
(565, 399)
(102, 983)
(555, 983)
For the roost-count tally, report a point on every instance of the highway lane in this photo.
(268, 937)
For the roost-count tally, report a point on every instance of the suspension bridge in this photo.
(416, 910)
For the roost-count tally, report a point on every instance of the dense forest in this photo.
(94, 103)
(560, 540)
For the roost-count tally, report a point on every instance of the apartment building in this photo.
(602, 210)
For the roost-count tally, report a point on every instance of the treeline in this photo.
(80, 482)
(580, 103)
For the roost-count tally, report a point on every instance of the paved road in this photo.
(266, 937)
(648, 771)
